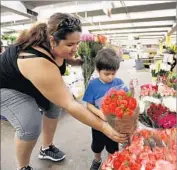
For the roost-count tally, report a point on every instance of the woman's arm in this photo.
(47, 79)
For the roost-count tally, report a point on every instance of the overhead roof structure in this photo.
(121, 20)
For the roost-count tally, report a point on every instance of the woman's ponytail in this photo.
(35, 36)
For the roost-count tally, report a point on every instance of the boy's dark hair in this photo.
(107, 59)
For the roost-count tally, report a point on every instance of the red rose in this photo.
(112, 107)
(105, 108)
(135, 166)
(123, 103)
(132, 103)
(150, 165)
(107, 100)
(119, 112)
(121, 93)
(129, 112)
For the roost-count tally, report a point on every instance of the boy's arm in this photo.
(96, 111)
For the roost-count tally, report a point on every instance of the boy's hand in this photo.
(112, 134)
(102, 116)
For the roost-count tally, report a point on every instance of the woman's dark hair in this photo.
(59, 25)
(107, 59)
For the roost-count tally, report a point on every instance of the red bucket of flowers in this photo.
(121, 111)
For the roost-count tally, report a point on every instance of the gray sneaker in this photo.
(52, 153)
(26, 168)
(95, 165)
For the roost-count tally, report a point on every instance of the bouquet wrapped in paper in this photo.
(121, 110)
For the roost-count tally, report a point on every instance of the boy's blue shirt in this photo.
(97, 89)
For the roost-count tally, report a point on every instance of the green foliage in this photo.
(67, 72)
(5, 37)
(160, 73)
(9, 37)
(172, 80)
(172, 49)
(88, 51)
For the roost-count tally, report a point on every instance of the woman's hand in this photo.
(112, 134)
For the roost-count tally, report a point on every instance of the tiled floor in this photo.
(71, 136)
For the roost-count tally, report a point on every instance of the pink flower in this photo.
(167, 121)
(165, 165)
(87, 37)
(151, 93)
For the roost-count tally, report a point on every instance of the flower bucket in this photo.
(139, 64)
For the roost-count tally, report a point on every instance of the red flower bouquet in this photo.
(121, 110)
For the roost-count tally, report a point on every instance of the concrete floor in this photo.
(71, 136)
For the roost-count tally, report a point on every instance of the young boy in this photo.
(107, 64)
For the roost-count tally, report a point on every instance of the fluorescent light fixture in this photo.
(144, 37)
(133, 3)
(152, 23)
(109, 26)
(129, 25)
(70, 7)
(135, 15)
(17, 27)
(10, 17)
(133, 30)
(140, 34)
(147, 14)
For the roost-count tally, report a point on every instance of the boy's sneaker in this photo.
(95, 165)
(52, 153)
(26, 168)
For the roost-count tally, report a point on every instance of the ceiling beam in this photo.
(173, 29)
(131, 32)
(34, 4)
(27, 5)
(15, 23)
(170, 32)
(149, 38)
(130, 28)
(172, 18)
(137, 8)
(139, 38)
(150, 35)
(18, 8)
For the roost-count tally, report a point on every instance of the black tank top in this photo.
(11, 77)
